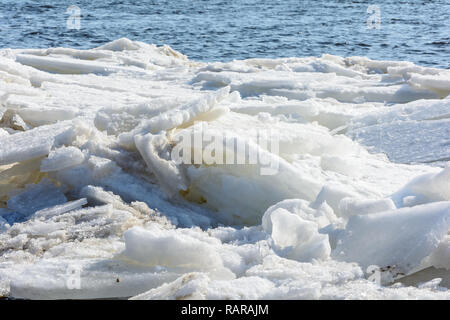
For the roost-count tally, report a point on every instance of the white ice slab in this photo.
(34, 143)
(400, 239)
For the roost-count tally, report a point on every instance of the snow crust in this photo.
(353, 203)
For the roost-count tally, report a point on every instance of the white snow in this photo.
(93, 203)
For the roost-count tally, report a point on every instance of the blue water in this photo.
(212, 30)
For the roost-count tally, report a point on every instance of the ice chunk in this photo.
(294, 237)
(205, 108)
(12, 120)
(413, 132)
(22, 168)
(67, 66)
(439, 83)
(187, 287)
(155, 150)
(242, 192)
(400, 239)
(35, 143)
(440, 258)
(36, 197)
(332, 194)
(198, 286)
(60, 209)
(96, 195)
(121, 44)
(17, 242)
(343, 165)
(42, 228)
(425, 188)
(322, 216)
(297, 280)
(408, 141)
(62, 158)
(102, 167)
(85, 279)
(172, 249)
(37, 115)
(306, 85)
(351, 206)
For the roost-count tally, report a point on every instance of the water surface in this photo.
(211, 30)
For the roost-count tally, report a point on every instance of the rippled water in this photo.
(417, 31)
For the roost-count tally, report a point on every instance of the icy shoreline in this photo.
(93, 206)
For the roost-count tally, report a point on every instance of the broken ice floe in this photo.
(92, 204)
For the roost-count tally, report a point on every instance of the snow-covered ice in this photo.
(352, 202)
